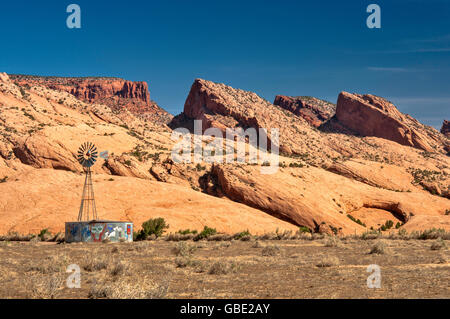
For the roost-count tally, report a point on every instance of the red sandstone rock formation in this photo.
(320, 200)
(313, 110)
(446, 128)
(114, 92)
(221, 106)
(370, 115)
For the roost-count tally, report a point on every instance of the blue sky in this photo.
(315, 48)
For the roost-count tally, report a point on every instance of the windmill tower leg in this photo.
(92, 198)
(88, 208)
(81, 211)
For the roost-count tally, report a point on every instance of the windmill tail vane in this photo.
(87, 156)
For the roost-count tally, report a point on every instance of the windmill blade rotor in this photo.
(87, 154)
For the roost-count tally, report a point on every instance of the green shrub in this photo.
(432, 234)
(127, 162)
(388, 225)
(138, 153)
(206, 232)
(187, 232)
(44, 234)
(304, 229)
(241, 235)
(155, 227)
(334, 230)
(358, 221)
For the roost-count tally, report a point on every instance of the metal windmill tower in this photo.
(87, 155)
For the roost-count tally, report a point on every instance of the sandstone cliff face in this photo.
(116, 93)
(446, 128)
(217, 105)
(370, 115)
(51, 203)
(323, 178)
(313, 110)
(221, 106)
(321, 200)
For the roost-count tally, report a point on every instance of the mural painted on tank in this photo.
(85, 231)
(99, 231)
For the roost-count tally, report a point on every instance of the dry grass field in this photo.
(318, 267)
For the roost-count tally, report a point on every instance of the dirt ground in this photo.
(323, 268)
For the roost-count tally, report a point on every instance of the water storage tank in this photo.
(98, 231)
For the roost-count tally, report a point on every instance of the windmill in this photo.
(87, 156)
(88, 228)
